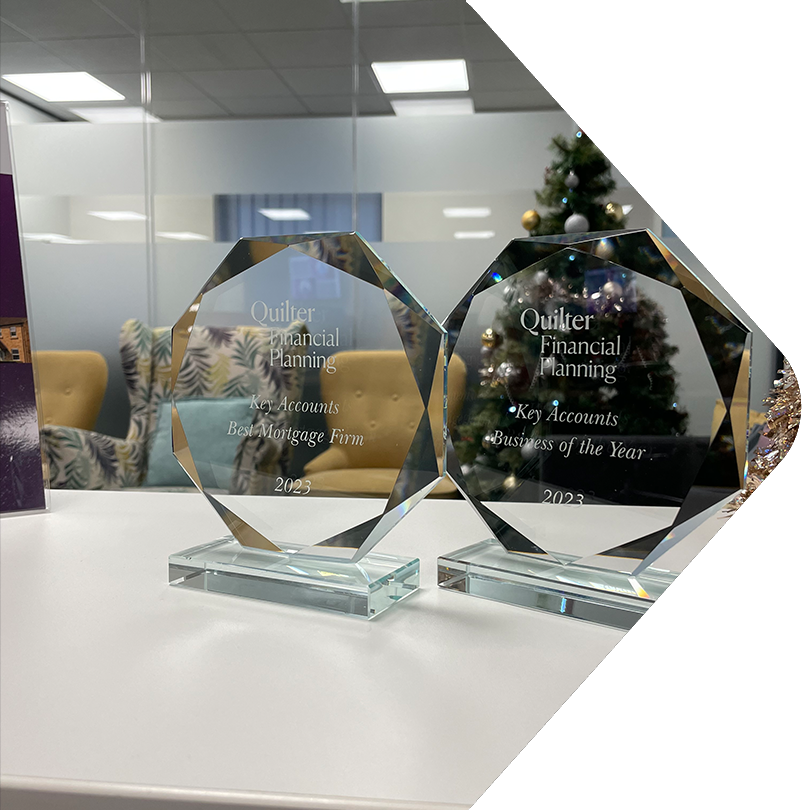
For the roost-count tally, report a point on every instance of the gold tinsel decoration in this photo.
(782, 425)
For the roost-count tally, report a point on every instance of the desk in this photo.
(122, 692)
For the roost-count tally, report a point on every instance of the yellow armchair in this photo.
(377, 398)
(72, 386)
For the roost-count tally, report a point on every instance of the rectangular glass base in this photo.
(365, 589)
(605, 597)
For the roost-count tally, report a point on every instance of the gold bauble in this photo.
(510, 482)
(614, 210)
(530, 220)
(489, 338)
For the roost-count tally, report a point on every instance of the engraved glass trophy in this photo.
(308, 406)
(605, 420)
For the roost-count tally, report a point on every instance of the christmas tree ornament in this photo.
(510, 482)
(530, 220)
(613, 290)
(577, 223)
(614, 210)
(572, 180)
(490, 339)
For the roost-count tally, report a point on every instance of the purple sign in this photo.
(20, 452)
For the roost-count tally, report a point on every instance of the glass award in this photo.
(308, 406)
(604, 421)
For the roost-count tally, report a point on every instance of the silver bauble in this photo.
(572, 181)
(576, 223)
(612, 289)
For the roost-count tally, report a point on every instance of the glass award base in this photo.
(610, 598)
(365, 589)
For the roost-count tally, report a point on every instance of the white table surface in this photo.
(117, 688)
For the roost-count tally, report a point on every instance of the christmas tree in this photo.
(577, 190)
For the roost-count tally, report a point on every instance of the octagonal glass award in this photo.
(605, 420)
(308, 404)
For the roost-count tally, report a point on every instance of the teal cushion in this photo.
(205, 422)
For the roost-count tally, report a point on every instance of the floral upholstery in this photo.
(219, 362)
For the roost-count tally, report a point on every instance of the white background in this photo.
(699, 705)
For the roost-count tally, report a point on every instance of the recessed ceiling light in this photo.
(432, 106)
(431, 76)
(114, 115)
(118, 216)
(183, 236)
(466, 213)
(55, 239)
(79, 86)
(285, 214)
(474, 234)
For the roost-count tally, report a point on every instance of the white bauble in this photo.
(576, 223)
(612, 289)
(571, 181)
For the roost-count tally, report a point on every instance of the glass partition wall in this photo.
(409, 122)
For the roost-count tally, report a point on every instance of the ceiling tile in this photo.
(59, 19)
(174, 87)
(9, 34)
(208, 51)
(396, 44)
(506, 75)
(266, 106)
(420, 12)
(188, 17)
(240, 83)
(341, 105)
(28, 57)
(187, 110)
(109, 54)
(509, 100)
(289, 15)
(127, 11)
(482, 43)
(328, 81)
(305, 48)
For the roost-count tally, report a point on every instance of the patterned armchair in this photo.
(223, 362)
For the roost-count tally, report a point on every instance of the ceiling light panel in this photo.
(428, 76)
(285, 214)
(466, 213)
(432, 106)
(474, 234)
(80, 86)
(114, 115)
(118, 216)
(183, 236)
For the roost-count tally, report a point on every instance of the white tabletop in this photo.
(116, 684)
